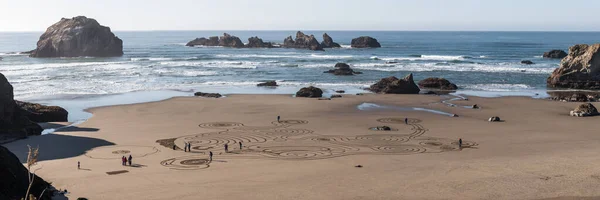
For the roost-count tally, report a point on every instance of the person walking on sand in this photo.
(278, 118)
(129, 160)
(459, 143)
(185, 147)
(240, 145)
(210, 155)
(226, 148)
(189, 147)
(406, 120)
(78, 165)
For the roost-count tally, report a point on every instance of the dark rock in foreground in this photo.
(310, 92)
(584, 110)
(579, 70)
(208, 95)
(365, 42)
(268, 84)
(527, 62)
(437, 83)
(302, 42)
(393, 85)
(40, 113)
(328, 42)
(342, 69)
(558, 54)
(255, 42)
(13, 120)
(76, 37)
(14, 178)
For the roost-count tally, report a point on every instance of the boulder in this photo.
(437, 83)
(393, 85)
(328, 42)
(77, 37)
(13, 120)
(40, 113)
(256, 42)
(302, 42)
(208, 95)
(212, 41)
(475, 106)
(268, 84)
(579, 70)
(558, 54)
(365, 42)
(310, 92)
(584, 110)
(14, 178)
(342, 69)
(383, 128)
(230, 41)
(527, 62)
(494, 119)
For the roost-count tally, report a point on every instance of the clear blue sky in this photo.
(447, 15)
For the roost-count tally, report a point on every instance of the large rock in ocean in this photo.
(437, 83)
(13, 121)
(302, 42)
(210, 42)
(76, 37)
(365, 42)
(393, 85)
(559, 54)
(579, 70)
(40, 113)
(230, 41)
(310, 92)
(342, 69)
(14, 178)
(267, 84)
(328, 42)
(255, 42)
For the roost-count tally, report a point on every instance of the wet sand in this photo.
(538, 152)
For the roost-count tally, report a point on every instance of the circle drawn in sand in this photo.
(292, 122)
(399, 120)
(220, 125)
(117, 151)
(196, 161)
(186, 163)
(399, 149)
(465, 144)
(298, 152)
(121, 152)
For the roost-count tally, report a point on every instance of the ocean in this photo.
(159, 63)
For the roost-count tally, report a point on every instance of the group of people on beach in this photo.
(125, 161)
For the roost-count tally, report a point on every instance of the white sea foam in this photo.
(465, 67)
(213, 64)
(421, 57)
(151, 59)
(297, 56)
(497, 87)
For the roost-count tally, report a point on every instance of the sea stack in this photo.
(579, 70)
(256, 42)
(557, 54)
(328, 42)
(77, 37)
(302, 42)
(342, 69)
(365, 42)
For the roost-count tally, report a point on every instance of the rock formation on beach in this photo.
(256, 42)
(579, 70)
(208, 95)
(558, 54)
(328, 42)
(574, 96)
(14, 179)
(310, 92)
(230, 41)
(365, 42)
(342, 69)
(494, 119)
(268, 84)
(40, 113)
(76, 37)
(302, 42)
(393, 85)
(584, 110)
(13, 120)
(437, 83)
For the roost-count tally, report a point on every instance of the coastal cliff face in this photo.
(76, 37)
(579, 70)
(14, 178)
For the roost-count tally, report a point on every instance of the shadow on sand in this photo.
(57, 127)
(55, 146)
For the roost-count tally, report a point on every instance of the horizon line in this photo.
(267, 30)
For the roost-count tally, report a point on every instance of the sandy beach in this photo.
(538, 152)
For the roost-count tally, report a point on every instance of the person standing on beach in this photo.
(406, 120)
(185, 147)
(278, 118)
(129, 160)
(240, 145)
(78, 165)
(226, 148)
(123, 160)
(210, 155)
(459, 143)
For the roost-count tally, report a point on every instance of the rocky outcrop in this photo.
(558, 54)
(328, 42)
(14, 179)
(494, 119)
(40, 113)
(579, 70)
(76, 37)
(268, 84)
(393, 85)
(210, 42)
(574, 96)
(437, 83)
(255, 42)
(208, 95)
(527, 62)
(302, 42)
(342, 69)
(584, 110)
(310, 92)
(230, 41)
(13, 120)
(365, 42)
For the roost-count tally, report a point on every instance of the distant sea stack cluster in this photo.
(302, 41)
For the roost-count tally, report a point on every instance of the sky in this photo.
(401, 15)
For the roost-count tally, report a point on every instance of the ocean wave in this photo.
(185, 72)
(213, 64)
(497, 87)
(466, 67)
(422, 57)
(57, 65)
(297, 56)
(13, 54)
